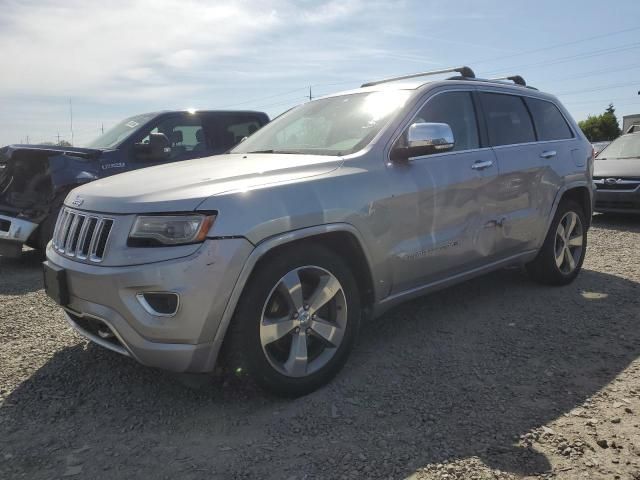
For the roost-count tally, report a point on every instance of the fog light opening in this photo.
(160, 304)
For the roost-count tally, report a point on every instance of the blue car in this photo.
(34, 180)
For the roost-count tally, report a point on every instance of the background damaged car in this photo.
(34, 180)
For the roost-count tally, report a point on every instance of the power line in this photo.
(597, 89)
(597, 72)
(601, 100)
(557, 45)
(264, 98)
(568, 58)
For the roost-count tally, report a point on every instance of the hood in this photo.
(182, 186)
(9, 150)
(617, 167)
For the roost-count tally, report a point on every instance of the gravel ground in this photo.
(494, 378)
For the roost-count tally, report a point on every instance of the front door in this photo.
(445, 219)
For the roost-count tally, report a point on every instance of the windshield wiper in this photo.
(273, 151)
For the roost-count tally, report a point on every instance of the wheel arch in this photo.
(578, 192)
(342, 238)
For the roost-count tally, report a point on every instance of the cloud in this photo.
(75, 47)
(80, 47)
(123, 57)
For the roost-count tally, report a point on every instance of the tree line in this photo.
(603, 127)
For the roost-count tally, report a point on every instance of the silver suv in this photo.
(266, 259)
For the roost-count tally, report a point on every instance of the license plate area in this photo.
(55, 283)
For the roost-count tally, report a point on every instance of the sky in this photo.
(114, 59)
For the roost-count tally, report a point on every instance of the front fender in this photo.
(68, 172)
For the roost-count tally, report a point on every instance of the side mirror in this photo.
(156, 150)
(424, 139)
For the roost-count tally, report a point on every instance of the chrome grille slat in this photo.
(64, 231)
(56, 230)
(94, 241)
(82, 235)
(72, 231)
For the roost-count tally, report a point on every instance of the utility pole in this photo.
(310, 96)
(27, 140)
(71, 119)
(102, 128)
(58, 138)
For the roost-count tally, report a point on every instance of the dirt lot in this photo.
(494, 378)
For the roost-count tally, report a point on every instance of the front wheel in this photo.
(560, 258)
(296, 322)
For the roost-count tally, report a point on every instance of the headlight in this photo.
(158, 230)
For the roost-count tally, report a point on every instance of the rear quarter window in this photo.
(508, 120)
(550, 124)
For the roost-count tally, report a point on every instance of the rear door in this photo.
(444, 221)
(520, 205)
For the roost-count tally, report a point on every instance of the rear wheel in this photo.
(296, 321)
(560, 259)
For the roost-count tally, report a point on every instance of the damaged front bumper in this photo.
(14, 232)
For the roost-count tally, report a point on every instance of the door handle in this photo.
(548, 154)
(481, 165)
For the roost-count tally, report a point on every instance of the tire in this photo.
(278, 315)
(559, 261)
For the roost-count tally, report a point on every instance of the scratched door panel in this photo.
(452, 212)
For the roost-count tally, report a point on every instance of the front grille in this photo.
(628, 184)
(82, 235)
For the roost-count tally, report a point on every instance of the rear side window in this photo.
(550, 124)
(227, 130)
(456, 110)
(508, 120)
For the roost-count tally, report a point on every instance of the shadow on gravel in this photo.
(619, 222)
(460, 373)
(21, 275)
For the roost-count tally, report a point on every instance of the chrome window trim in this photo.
(543, 142)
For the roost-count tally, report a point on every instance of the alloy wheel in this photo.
(303, 321)
(568, 242)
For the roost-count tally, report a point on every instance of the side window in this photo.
(550, 124)
(226, 130)
(243, 129)
(508, 120)
(185, 134)
(455, 109)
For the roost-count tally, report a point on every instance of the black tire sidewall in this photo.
(249, 313)
(544, 267)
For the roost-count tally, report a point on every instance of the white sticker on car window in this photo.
(131, 124)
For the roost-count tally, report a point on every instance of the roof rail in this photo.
(517, 79)
(465, 72)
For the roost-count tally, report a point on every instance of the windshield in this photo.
(330, 126)
(112, 137)
(626, 146)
